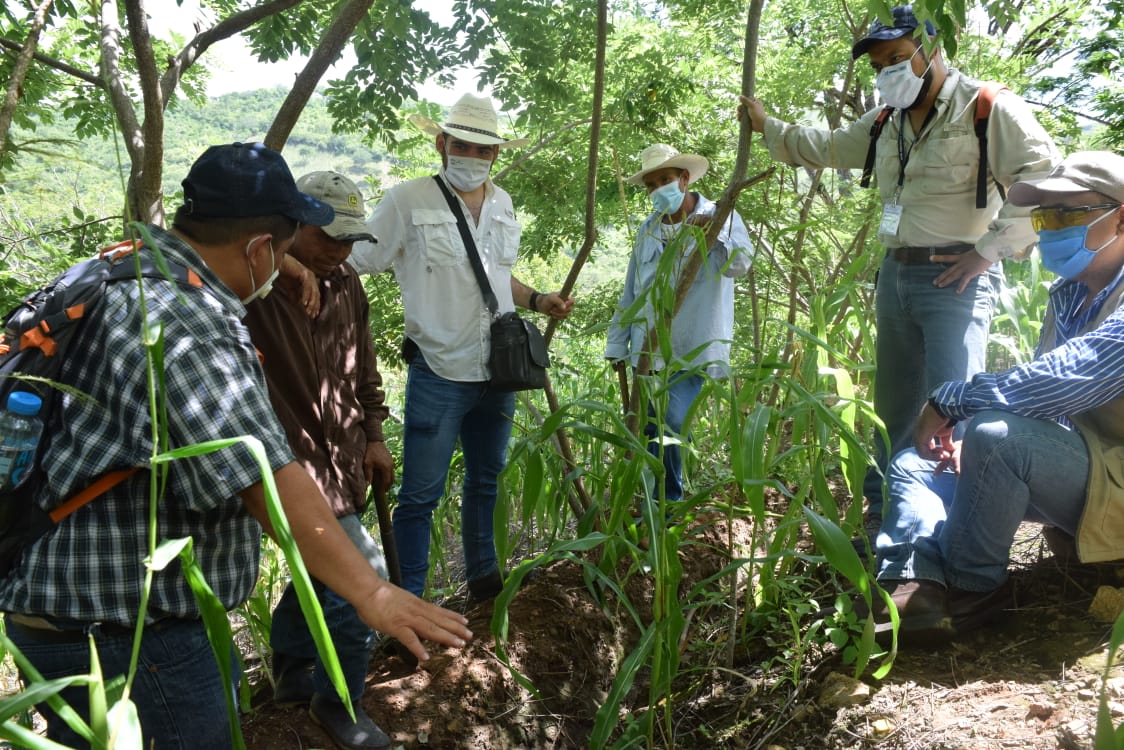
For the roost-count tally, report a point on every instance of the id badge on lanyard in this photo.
(891, 220)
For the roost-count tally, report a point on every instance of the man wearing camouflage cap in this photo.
(326, 389)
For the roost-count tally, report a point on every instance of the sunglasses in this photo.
(1060, 218)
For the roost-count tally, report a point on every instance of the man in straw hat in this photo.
(702, 329)
(86, 579)
(1043, 439)
(448, 335)
(326, 389)
(940, 279)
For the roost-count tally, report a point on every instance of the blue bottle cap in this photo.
(22, 402)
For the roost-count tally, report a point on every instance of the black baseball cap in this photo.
(904, 23)
(248, 179)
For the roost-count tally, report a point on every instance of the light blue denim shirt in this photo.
(702, 330)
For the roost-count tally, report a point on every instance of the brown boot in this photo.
(975, 609)
(922, 608)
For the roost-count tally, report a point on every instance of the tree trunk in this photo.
(19, 72)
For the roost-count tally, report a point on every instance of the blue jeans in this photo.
(926, 336)
(439, 412)
(959, 531)
(293, 647)
(178, 690)
(682, 390)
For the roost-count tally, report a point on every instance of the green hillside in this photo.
(57, 172)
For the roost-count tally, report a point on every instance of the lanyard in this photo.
(903, 153)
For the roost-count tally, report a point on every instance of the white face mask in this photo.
(261, 292)
(899, 86)
(465, 173)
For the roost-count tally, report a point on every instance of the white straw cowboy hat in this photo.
(662, 156)
(472, 119)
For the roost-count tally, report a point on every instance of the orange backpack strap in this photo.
(875, 131)
(102, 485)
(986, 97)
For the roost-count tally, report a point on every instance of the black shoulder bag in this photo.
(518, 359)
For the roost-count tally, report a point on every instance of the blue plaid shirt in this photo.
(90, 567)
(1081, 372)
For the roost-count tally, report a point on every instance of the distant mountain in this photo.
(56, 172)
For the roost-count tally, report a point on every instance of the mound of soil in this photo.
(1034, 681)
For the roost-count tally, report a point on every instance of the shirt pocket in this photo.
(436, 237)
(949, 162)
(503, 237)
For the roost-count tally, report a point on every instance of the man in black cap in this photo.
(940, 278)
(86, 578)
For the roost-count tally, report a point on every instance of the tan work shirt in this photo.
(938, 191)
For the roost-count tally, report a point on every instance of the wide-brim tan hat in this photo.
(342, 195)
(472, 119)
(663, 156)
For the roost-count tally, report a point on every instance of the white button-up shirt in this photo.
(445, 311)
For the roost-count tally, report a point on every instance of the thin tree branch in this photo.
(19, 72)
(224, 29)
(584, 501)
(326, 52)
(110, 44)
(58, 65)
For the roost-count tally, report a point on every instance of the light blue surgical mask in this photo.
(1064, 251)
(667, 198)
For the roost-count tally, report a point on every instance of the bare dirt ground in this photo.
(1033, 681)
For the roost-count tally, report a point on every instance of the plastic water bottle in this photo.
(20, 429)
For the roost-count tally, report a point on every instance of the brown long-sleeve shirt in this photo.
(323, 381)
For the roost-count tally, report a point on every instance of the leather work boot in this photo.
(925, 619)
(485, 587)
(362, 734)
(975, 609)
(488, 587)
(293, 682)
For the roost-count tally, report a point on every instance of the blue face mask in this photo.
(1064, 251)
(668, 198)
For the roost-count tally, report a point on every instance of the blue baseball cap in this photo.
(248, 179)
(904, 23)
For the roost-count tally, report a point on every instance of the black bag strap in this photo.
(988, 91)
(875, 131)
(470, 247)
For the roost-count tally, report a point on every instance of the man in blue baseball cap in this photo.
(945, 224)
(86, 578)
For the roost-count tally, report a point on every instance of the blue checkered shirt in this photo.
(91, 567)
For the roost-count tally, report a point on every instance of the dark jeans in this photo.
(682, 390)
(438, 413)
(926, 336)
(178, 690)
(293, 647)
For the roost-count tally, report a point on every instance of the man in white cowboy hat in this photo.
(702, 329)
(940, 279)
(326, 389)
(448, 335)
(1043, 439)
